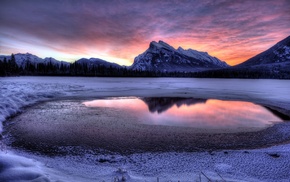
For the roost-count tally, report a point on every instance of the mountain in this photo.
(23, 59)
(28, 64)
(279, 53)
(97, 62)
(163, 57)
(272, 63)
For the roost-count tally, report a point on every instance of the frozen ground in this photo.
(268, 164)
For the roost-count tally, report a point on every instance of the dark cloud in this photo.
(124, 29)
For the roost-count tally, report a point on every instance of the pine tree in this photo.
(13, 65)
(2, 70)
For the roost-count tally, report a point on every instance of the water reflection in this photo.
(161, 104)
(189, 112)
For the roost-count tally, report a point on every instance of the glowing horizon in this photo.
(118, 31)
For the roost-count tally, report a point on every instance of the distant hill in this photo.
(97, 62)
(28, 64)
(23, 59)
(160, 56)
(272, 63)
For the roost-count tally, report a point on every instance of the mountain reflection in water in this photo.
(161, 104)
(190, 112)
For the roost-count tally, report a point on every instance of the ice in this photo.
(16, 93)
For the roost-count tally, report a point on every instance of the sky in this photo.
(119, 30)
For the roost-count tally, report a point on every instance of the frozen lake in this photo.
(49, 98)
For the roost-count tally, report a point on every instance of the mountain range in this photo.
(158, 57)
(161, 57)
(23, 59)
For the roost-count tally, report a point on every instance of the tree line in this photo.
(10, 68)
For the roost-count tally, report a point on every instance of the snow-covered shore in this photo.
(268, 164)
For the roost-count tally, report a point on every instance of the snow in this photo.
(17, 168)
(283, 53)
(22, 59)
(174, 60)
(230, 165)
(16, 93)
(204, 56)
(95, 61)
(161, 45)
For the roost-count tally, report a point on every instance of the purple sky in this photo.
(117, 31)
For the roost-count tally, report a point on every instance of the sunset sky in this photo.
(117, 31)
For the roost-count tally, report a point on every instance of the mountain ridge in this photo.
(161, 56)
(280, 52)
(22, 59)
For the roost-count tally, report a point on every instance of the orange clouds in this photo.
(118, 31)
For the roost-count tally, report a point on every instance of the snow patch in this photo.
(15, 96)
(160, 56)
(17, 168)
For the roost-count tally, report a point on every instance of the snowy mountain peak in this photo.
(160, 45)
(97, 62)
(279, 53)
(204, 56)
(22, 54)
(163, 57)
(23, 59)
(164, 44)
(26, 55)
